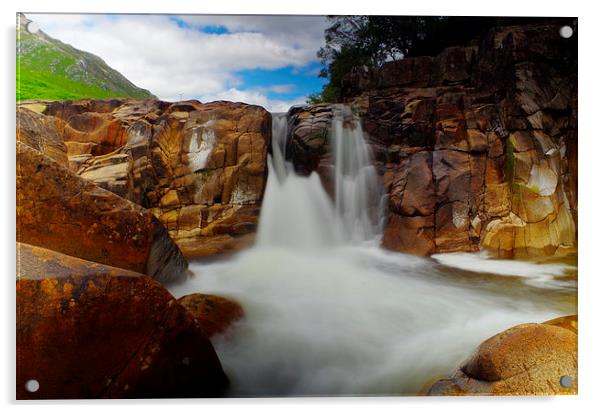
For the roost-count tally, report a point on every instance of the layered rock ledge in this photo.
(481, 145)
(199, 168)
(58, 210)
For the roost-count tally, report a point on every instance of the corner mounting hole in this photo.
(566, 31)
(566, 381)
(32, 386)
(32, 27)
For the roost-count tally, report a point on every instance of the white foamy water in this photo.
(358, 188)
(295, 211)
(328, 312)
(350, 320)
(540, 275)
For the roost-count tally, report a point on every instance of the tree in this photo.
(374, 40)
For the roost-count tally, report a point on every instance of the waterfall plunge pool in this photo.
(360, 320)
(329, 312)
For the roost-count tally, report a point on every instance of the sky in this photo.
(265, 60)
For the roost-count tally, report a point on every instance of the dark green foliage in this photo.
(329, 93)
(373, 40)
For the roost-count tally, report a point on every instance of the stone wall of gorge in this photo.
(477, 145)
(199, 168)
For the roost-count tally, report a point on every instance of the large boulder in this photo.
(88, 330)
(59, 210)
(214, 314)
(528, 359)
(200, 168)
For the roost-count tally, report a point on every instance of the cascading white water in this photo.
(297, 211)
(326, 314)
(279, 142)
(358, 189)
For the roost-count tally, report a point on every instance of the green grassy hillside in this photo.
(51, 70)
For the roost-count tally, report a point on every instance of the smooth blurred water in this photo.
(298, 212)
(328, 312)
(358, 188)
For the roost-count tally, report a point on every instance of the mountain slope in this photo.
(50, 69)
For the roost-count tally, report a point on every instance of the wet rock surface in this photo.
(88, 330)
(215, 314)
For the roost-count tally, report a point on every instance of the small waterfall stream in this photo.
(296, 211)
(328, 312)
(358, 188)
(301, 206)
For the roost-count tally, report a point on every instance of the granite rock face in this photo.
(88, 330)
(58, 210)
(200, 168)
(477, 146)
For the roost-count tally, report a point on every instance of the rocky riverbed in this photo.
(470, 151)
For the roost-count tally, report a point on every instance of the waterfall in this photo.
(329, 313)
(358, 190)
(297, 211)
(279, 142)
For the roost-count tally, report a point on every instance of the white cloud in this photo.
(302, 32)
(255, 98)
(277, 88)
(155, 53)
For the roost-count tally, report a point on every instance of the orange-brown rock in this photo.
(569, 322)
(528, 359)
(87, 330)
(200, 164)
(65, 109)
(410, 234)
(214, 314)
(42, 133)
(101, 133)
(59, 210)
(496, 122)
(413, 191)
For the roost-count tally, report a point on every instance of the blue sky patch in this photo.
(285, 83)
(210, 29)
(214, 29)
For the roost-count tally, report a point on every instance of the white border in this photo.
(590, 156)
